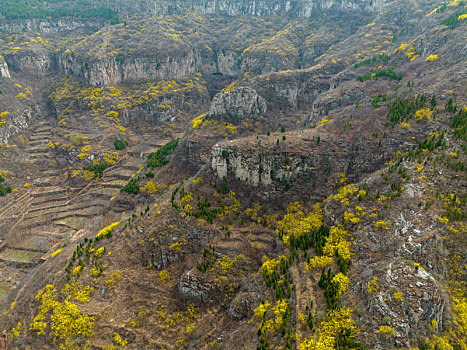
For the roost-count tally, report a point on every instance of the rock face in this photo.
(34, 63)
(192, 286)
(237, 105)
(228, 62)
(112, 70)
(413, 310)
(259, 8)
(301, 8)
(265, 165)
(298, 88)
(49, 26)
(4, 72)
(18, 121)
(256, 169)
(243, 304)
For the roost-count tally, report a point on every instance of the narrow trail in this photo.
(304, 291)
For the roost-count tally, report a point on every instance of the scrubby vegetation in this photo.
(120, 144)
(131, 187)
(4, 190)
(381, 59)
(454, 20)
(98, 169)
(380, 73)
(158, 158)
(405, 108)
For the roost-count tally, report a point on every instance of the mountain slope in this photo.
(211, 175)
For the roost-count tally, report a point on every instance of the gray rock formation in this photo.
(237, 105)
(49, 26)
(34, 63)
(192, 286)
(243, 305)
(301, 8)
(420, 301)
(111, 70)
(4, 72)
(15, 122)
(254, 168)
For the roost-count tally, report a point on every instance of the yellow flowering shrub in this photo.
(269, 266)
(342, 282)
(119, 341)
(116, 276)
(422, 114)
(386, 330)
(77, 270)
(373, 285)
(328, 330)
(176, 246)
(274, 314)
(110, 158)
(344, 192)
(164, 276)
(55, 253)
(196, 123)
(296, 223)
(106, 230)
(397, 296)
(16, 331)
(78, 292)
(319, 261)
(198, 180)
(337, 240)
(350, 217)
(443, 220)
(99, 252)
(65, 320)
(261, 309)
(383, 224)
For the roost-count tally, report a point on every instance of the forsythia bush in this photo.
(423, 114)
(106, 230)
(337, 240)
(328, 330)
(296, 223)
(386, 330)
(65, 320)
(373, 285)
(319, 261)
(278, 310)
(269, 266)
(55, 253)
(15, 332)
(342, 281)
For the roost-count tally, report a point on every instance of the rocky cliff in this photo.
(4, 72)
(237, 105)
(302, 8)
(34, 63)
(112, 70)
(259, 162)
(50, 26)
(20, 120)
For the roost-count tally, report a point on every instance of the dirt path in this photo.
(303, 286)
